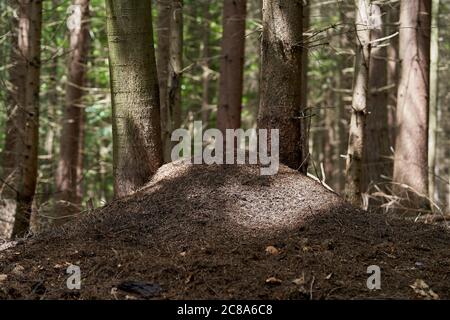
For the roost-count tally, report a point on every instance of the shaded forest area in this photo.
(92, 92)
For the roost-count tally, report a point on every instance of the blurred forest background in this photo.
(329, 30)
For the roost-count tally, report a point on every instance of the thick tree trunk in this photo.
(434, 97)
(376, 150)
(164, 8)
(232, 65)
(353, 188)
(137, 151)
(411, 162)
(281, 78)
(21, 145)
(69, 171)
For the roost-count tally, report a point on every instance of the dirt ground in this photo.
(225, 232)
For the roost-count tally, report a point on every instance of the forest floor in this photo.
(225, 232)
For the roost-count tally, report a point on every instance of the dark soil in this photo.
(225, 232)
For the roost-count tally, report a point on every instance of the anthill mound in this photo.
(202, 232)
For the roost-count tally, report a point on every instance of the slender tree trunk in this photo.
(353, 188)
(376, 150)
(69, 171)
(173, 102)
(411, 162)
(206, 72)
(137, 150)
(392, 71)
(21, 145)
(305, 123)
(164, 8)
(434, 97)
(232, 65)
(281, 78)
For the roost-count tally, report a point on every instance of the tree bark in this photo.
(21, 145)
(434, 105)
(232, 65)
(376, 150)
(69, 170)
(206, 72)
(411, 162)
(281, 78)
(164, 8)
(137, 150)
(353, 187)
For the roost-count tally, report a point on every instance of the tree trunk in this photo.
(353, 188)
(411, 163)
(434, 97)
(173, 98)
(137, 150)
(69, 170)
(232, 65)
(392, 71)
(306, 121)
(164, 8)
(281, 78)
(206, 72)
(376, 150)
(21, 145)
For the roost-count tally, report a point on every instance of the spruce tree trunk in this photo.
(232, 65)
(376, 150)
(434, 97)
(69, 170)
(206, 72)
(21, 145)
(137, 151)
(281, 78)
(353, 187)
(411, 160)
(164, 8)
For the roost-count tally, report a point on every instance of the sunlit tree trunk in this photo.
(69, 170)
(353, 187)
(232, 65)
(137, 151)
(21, 145)
(281, 78)
(411, 160)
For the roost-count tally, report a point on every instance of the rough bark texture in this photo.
(21, 145)
(69, 170)
(410, 164)
(376, 150)
(164, 8)
(281, 78)
(137, 151)
(232, 65)
(353, 187)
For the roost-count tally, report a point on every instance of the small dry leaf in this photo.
(272, 250)
(273, 281)
(328, 277)
(299, 281)
(3, 277)
(422, 288)
(183, 254)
